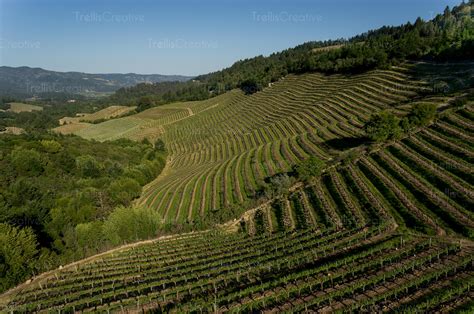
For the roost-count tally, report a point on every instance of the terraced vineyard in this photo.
(223, 148)
(422, 183)
(371, 268)
(390, 231)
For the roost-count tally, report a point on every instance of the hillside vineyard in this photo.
(387, 229)
(221, 149)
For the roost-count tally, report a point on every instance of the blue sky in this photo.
(182, 37)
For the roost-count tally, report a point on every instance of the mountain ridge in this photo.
(25, 81)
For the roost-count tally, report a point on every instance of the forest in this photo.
(64, 197)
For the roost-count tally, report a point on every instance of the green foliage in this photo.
(422, 114)
(131, 224)
(250, 86)
(51, 146)
(447, 36)
(27, 161)
(124, 190)
(383, 126)
(18, 250)
(160, 93)
(90, 237)
(160, 145)
(48, 118)
(144, 103)
(309, 168)
(88, 167)
(278, 186)
(57, 187)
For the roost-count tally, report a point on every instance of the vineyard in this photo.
(367, 268)
(389, 230)
(422, 183)
(223, 148)
(101, 115)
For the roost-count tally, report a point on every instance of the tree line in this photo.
(447, 36)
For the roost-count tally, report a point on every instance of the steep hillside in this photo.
(222, 149)
(380, 233)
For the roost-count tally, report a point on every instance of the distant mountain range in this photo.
(25, 82)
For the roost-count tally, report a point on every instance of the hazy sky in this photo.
(182, 37)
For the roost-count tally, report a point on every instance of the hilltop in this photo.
(23, 82)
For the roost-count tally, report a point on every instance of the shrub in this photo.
(88, 166)
(383, 126)
(124, 190)
(126, 224)
(309, 168)
(422, 114)
(27, 161)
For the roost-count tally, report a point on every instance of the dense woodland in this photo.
(449, 35)
(65, 197)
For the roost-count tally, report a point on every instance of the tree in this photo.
(27, 161)
(250, 86)
(160, 145)
(279, 185)
(18, 251)
(144, 103)
(51, 146)
(126, 224)
(383, 126)
(88, 166)
(89, 237)
(309, 168)
(124, 190)
(422, 114)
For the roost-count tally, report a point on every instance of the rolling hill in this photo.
(27, 82)
(222, 149)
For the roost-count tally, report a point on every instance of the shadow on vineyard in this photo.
(345, 143)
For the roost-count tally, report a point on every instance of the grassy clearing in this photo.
(18, 107)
